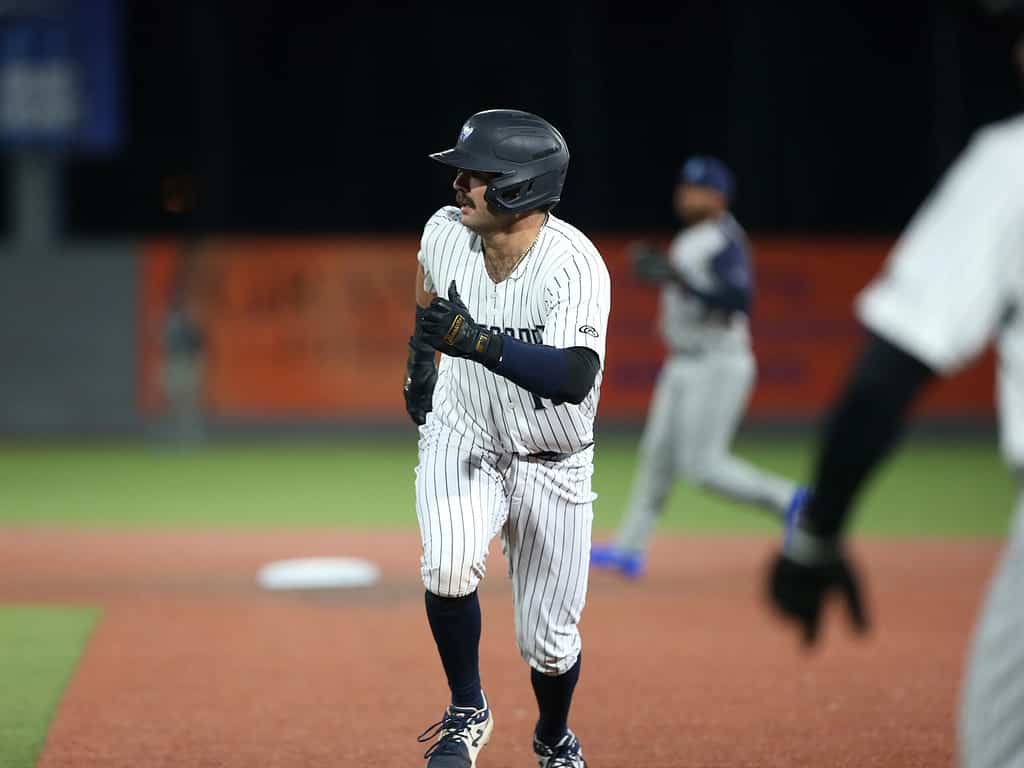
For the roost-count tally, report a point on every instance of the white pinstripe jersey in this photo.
(955, 280)
(559, 295)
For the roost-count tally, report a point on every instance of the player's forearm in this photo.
(863, 426)
(420, 350)
(561, 375)
(723, 295)
(655, 266)
(423, 296)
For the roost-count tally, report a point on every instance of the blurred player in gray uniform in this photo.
(704, 386)
(953, 283)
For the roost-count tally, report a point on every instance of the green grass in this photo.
(928, 488)
(39, 647)
(933, 487)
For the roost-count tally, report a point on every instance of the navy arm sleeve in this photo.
(559, 375)
(865, 423)
(733, 289)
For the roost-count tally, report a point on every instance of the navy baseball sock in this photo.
(455, 622)
(554, 695)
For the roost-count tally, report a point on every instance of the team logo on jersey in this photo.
(589, 330)
(464, 133)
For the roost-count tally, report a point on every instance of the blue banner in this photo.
(59, 75)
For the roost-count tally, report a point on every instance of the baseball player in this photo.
(704, 385)
(517, 302)
(954, 281)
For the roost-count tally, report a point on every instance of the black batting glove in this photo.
(420, 375)
(448, 327)
(803, 576)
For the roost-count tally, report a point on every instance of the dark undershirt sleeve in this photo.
(725, 297)
(560, 375)
(862, 427)
(731, 289)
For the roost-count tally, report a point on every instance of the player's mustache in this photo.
(461, 199)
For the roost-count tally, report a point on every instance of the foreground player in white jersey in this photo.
(954, 282)
(517, 301)
(704, 386)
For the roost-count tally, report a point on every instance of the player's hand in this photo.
(649, 263)
(448, 327)
(803, 576)
(420, 378)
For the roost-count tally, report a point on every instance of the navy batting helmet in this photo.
(708, 171)
(526, 153)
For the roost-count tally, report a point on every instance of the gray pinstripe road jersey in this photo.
(559, 295)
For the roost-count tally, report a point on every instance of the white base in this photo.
(319, 573)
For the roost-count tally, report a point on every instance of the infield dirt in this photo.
(191, 664)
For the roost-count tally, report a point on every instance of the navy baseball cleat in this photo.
(460, 734)
(791, 517)
(565, 754)
(629, 564)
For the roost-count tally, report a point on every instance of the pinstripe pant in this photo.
(466, 494)
(992, 705)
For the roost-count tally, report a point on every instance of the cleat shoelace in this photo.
(453, 730)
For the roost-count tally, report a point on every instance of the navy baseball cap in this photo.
(708, 171)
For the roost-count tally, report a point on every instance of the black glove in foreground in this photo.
(803, 576)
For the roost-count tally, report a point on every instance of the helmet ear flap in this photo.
(507, 197)
(514, 197)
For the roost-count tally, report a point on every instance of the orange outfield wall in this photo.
(316, 328)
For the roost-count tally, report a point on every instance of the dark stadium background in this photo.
(306, 117)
